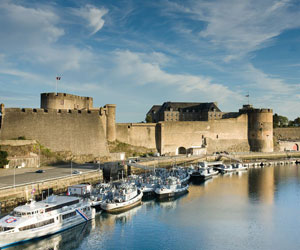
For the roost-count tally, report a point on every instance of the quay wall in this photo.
(11, 197)
(78, 131)
(137, 134)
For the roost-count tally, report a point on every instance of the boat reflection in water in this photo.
(111, 218)
(67, 240)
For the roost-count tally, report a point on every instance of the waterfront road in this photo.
(26, 175)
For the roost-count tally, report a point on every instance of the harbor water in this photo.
(255, 209)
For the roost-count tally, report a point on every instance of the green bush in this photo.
(3, 158)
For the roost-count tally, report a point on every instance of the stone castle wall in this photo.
(80, 132)
(218, 135)
(137, 134)
(287, 133)
(70, 123)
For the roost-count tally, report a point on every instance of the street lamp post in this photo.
(15, 173)
(14, 176)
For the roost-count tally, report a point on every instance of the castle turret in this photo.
(260, 128)
(65, 101)
(111, 122)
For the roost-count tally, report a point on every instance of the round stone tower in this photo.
(260, 129)
(110, 122)
(65, 101)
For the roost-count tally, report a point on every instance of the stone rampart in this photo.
(217, 135)
(137, 134)
(78, 131)
(287, 133)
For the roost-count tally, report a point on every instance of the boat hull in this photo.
(172, 194)
(20, 237)
(122, 206)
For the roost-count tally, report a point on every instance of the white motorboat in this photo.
(172, 187)
(126, 197)
(227, 169)
(42, 218)
(149, 184)
(181, 173)
(100, 194)
(240, 167)
(205, 173)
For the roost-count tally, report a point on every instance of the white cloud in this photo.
(62, 58)
(262, 81)
(238, 26)
(93, 16)
(18, 73)
(133, 68)
(24, 27)
(270, 91)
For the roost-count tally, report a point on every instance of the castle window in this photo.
(217, 136)
(23, 110)
(70, 111)
(59, 111)
(34, 110)
(89, 111)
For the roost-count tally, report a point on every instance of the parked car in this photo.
(76, 172)
(40, 171)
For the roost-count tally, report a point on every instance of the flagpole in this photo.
(248, 98)
(56, 85)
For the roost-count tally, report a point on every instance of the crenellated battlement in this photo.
(263, 110)
(53, 111)
(56, 95)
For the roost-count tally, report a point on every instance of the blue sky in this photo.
(139, 53)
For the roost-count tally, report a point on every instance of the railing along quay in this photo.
(49, 179)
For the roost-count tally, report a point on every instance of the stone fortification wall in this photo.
(218, 135)
(137, 134)
(80, 132)
(65, 101)
(287, 133)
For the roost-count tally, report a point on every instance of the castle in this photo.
(70, 123)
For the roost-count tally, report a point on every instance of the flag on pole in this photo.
(58, 78)
(247, 95)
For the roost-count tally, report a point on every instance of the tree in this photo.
(3, 158)
(297, 122)
(280, 121)
(148, 119)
